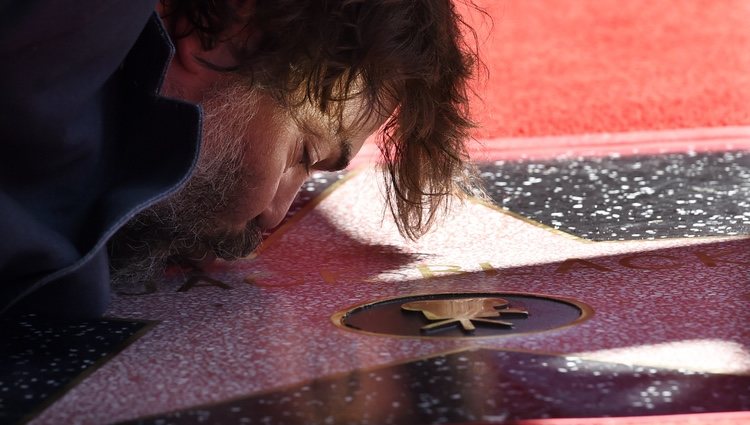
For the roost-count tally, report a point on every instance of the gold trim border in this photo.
(587, 312)
(274, 237)
(527, 220)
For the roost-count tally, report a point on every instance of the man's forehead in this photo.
(343, 117)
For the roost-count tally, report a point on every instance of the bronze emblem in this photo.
(463, 315)
(464, 311)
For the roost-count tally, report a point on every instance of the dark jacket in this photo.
(85, 143)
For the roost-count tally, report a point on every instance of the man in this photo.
(104, 105)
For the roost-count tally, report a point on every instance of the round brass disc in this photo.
(463, 315)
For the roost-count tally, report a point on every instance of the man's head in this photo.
(290, 86)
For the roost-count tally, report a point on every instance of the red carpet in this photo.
(591, 66)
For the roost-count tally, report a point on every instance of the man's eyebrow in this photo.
(345, 156)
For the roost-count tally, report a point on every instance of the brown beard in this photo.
(185, 228)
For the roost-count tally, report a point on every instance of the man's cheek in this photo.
(248, 200)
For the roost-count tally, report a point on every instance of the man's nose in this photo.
(278, 207)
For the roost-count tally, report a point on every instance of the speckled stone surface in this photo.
(262, 324)
(479, 385)
(631, 197)
(40, 357)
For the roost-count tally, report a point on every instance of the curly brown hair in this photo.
(411, 52)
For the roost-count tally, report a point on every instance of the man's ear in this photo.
(200, 62)
(195, 70)
(187, 78)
